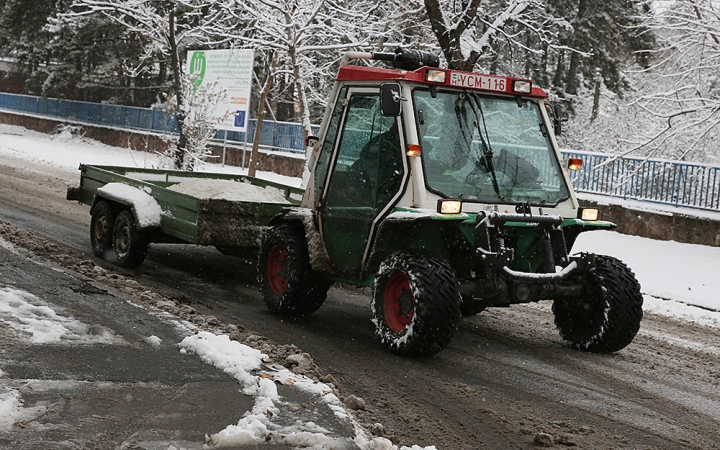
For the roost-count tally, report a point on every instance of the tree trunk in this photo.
(449, 40)
(572, 84)
(252, 167)
(285, 106)
(596, 95)
(179, 153)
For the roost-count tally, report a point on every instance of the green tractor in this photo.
(446, 193)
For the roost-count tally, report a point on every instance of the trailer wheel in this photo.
(289, 285)
(130, 244)
(416, 304)
(101, 227)
(608, 316)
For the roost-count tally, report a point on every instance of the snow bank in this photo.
(256, 427)
(12, 410)
(234, 358)
(206, 188)
(37, 323)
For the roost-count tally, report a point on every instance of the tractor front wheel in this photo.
(608, 316)
(416, 304)
(289, 285)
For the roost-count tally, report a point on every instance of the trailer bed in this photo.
(223, 210)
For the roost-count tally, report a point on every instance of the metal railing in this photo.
(283, 136)
(674, 183)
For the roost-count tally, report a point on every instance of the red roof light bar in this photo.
(451, 78)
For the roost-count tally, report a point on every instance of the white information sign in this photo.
(232, 70)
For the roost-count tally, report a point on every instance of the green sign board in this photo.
(231, 71)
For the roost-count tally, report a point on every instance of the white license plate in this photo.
(472, 81)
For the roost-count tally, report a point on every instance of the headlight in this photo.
(589, 214)
(449, 206)
(574, 164)
(522, 86)
(435, 76)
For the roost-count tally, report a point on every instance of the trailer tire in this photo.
(102, 222)
(129, 243)
(608, 316)
(416, 304)
(289, 285)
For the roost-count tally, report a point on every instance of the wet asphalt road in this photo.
(127, 394)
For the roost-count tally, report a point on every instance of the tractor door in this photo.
(368, 171)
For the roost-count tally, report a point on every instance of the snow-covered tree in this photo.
(167, 28)
(606, 36)
(201, 121)
(682, 97)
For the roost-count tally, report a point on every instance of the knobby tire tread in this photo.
(306, 290)
(437, 304)
(621, 299)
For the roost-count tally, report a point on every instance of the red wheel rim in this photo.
(398, 303)
(276, 269)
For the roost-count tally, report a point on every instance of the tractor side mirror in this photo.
(390, 97)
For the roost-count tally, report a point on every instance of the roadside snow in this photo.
(12, 410)
(36, 322)
(68, 152)
(239, 361)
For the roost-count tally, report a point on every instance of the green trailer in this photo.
(133, 207)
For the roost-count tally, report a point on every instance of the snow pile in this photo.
(232, 357)
(12, 411)
(154, 341)
(68, 151)
(680, 310)
(207, 188)
(40, 324)
(240, 361)
(147, 211)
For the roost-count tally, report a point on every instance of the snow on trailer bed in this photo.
(208, 188)
(221, 210)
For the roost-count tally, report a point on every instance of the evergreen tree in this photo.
(601, 35)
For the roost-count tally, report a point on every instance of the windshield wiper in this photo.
(486, 148)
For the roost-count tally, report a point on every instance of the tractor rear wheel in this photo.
(608, 316)
(416, 304)
(289, 285)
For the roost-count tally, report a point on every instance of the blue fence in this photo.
(283, 136)
(651, 180)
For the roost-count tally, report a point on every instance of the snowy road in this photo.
(506, 379)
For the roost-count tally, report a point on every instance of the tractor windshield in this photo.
(487, 149)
